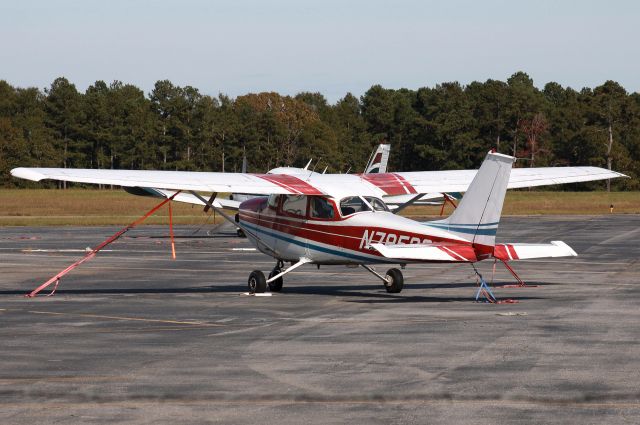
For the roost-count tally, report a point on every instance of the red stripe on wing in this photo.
(390, 183)
(291, 183)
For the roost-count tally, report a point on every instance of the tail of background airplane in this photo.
(378, 160)
(478, 214)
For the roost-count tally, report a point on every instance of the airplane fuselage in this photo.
(340, 239)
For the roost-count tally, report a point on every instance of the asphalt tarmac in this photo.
(135, 337)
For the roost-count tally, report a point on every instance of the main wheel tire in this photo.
(396, 281)
(276, 285)
(257, 282)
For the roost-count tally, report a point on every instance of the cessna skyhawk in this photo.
(325, 219)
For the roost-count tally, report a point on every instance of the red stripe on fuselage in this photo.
(349, 237)
(390, 183)
(291, 183)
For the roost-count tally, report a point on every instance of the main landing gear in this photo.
(258, 283)
(276, 285)
(393, 281)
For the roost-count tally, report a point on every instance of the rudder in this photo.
(477, 216)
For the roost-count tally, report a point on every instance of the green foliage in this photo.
(448, 126)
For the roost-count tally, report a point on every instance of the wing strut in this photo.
(408, 203)
(230, 219)
(447, 198)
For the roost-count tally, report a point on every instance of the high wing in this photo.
(414, 182)
(176, 180)
(337, 185)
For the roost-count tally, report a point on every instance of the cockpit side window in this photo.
(295, 205)
(377, 203)
(353, 204)
(321, 208)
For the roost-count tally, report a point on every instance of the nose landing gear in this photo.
(393, 281)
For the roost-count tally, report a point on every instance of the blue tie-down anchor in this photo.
(485, 291)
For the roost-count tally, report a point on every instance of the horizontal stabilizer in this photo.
(524, 251)
(428, 252)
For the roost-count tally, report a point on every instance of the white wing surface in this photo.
(337, 185)
(459, 180)
(176, 180)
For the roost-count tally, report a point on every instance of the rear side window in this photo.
(321, 208)
(295, 205)
(273, 201)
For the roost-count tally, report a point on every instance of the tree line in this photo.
(449, 126)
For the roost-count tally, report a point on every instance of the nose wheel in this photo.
(394, 281)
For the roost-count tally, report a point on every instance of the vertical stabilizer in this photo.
(478, 214)
(379, 159)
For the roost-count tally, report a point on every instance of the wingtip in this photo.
(27, 173)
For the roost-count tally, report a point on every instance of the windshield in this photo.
(354, 204)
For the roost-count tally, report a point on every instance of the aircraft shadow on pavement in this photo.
(364, 293)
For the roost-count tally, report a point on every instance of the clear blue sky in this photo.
(240, 46)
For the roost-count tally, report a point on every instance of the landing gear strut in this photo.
(258, 283)
(393, 281)
(276, 285)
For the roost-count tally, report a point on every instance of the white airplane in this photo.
(324, 219)
(377, 164)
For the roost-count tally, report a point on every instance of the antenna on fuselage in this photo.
(308, 163)
(314, 167)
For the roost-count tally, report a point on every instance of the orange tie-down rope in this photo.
(111, 239)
